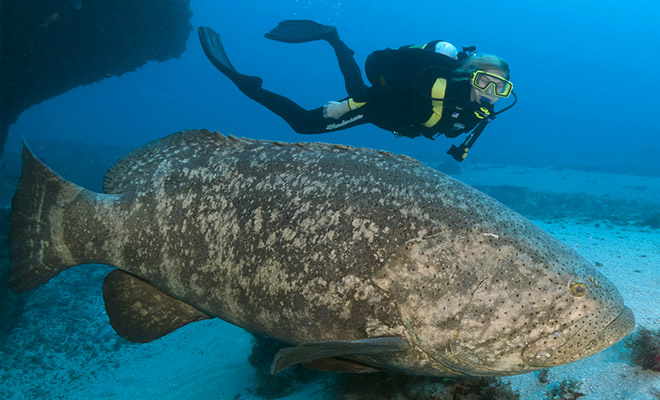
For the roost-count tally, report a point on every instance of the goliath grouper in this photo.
(362, 260)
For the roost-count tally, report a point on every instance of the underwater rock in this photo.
(378, 386)
(651, 219)
(580, 206)
(398, 386)
(52, 46)
(655, 392)
(645, 348)
(363, 259)
(567, 389)
(11, 305)
(276, 386)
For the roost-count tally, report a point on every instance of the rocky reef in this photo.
(51, 46)
(11, 306)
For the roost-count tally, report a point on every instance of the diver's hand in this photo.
(333, 109)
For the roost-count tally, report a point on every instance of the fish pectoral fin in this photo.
(334, 364)
(313, 351)
(141, 313)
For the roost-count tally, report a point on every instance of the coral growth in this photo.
(645, 346)
(284, 383)
(568, 389)
(11, 306)
(381, 385)
(543, 376)
(656, 393)
(397, 386)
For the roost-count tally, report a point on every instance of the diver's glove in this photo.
(336, 110)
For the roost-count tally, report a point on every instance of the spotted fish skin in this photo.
(314, 242)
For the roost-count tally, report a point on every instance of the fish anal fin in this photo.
(333, 364)
(141, 313)
(304, 352)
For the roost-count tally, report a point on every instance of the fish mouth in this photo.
(582, 344)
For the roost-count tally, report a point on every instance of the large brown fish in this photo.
(362, 259)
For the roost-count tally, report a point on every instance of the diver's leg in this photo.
(302, 31)
(349, 68)
(348, 120)
(306, 121)
(300, 120)
(215, 52)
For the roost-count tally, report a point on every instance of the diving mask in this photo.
(483, 80)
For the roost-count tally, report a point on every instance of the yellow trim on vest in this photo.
(437, 92)
(352, 104)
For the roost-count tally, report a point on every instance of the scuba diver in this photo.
(426, 90)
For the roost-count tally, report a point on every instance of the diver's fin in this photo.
(313, 351)
(215, 52)
(302, 30)
(141, 313)
(333, 364)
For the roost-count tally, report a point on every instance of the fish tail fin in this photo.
(36, 225)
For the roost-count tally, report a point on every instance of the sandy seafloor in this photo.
(63, 348)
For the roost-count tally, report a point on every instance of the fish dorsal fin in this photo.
(141, 313)
(175, 150)
(319, 350)
(145, 160)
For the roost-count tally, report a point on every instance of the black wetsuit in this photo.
(399, 99)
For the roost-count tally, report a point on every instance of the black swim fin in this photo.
(215, 52)
(301, 31)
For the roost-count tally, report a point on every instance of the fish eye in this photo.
(579, 289)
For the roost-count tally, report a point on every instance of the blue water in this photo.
(585, 74)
